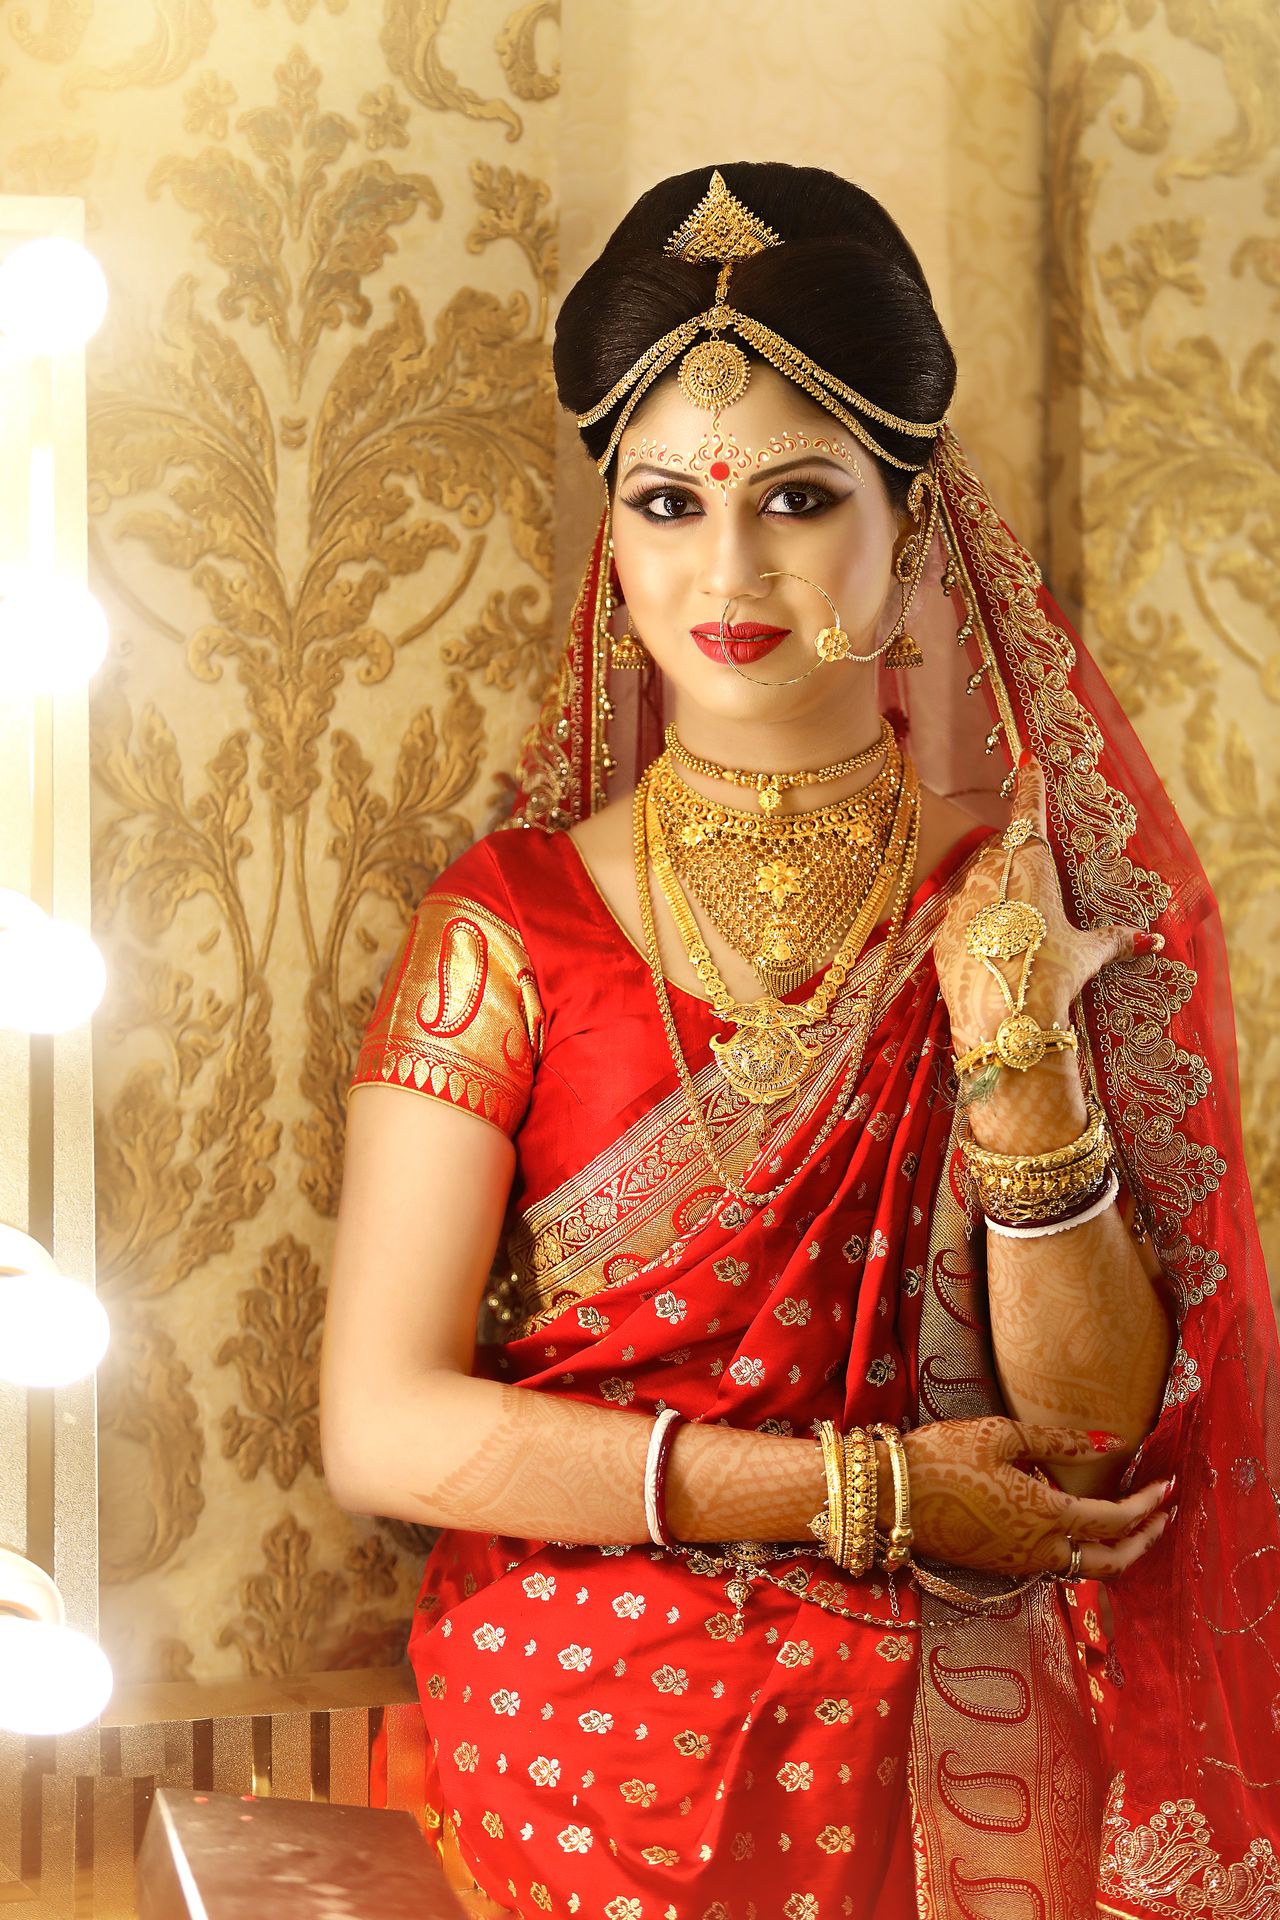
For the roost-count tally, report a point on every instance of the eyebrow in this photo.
(768, 472)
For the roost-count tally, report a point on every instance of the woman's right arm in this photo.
(408, 1433)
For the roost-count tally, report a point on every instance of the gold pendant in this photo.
(764, 1063)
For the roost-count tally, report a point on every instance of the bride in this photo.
(859, 1500)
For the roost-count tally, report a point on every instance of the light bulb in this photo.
(52, 975)
(53, 634)
(52, 1679)
(52, 1330)
(53, 295)
(27, 1589)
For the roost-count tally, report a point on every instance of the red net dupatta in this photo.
(564, 763)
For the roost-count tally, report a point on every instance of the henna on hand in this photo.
(972, 1506)
(1067, 958)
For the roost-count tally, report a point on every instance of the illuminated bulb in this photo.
(52, 1330)
(52, 1679)
(53, 634)
(52, 975)
(53, 295)
(26, 1589)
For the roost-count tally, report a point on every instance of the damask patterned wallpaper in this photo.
(320, 494)
(1164, 190)
(324, 459)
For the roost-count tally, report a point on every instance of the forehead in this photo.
(771, 407)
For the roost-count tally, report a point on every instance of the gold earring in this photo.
(902, 650)
(627, 651)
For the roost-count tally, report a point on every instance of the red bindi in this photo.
(719, 470)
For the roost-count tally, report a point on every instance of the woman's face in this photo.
(701, 517)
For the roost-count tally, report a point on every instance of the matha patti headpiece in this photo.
(714, 373)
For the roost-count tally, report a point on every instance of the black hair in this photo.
(845, 287)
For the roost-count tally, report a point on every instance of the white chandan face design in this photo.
(702, 514)
(723, 461)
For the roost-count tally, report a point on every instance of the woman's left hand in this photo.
(1067, 957)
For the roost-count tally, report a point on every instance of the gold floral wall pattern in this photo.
(1165, 189)
(321, 430)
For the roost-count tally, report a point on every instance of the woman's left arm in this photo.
(1080, 1334)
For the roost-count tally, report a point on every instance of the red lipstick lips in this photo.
(743, 641)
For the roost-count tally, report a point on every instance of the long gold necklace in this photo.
(768, 1056)
(790, 1019)
(770, 787)
(782, 888)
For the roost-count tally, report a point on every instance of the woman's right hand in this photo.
(971, 1506)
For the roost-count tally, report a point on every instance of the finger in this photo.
(1127, 943)
(1109, 1520)
(1029, 793)
(1019, 1439)
(1105, 1562)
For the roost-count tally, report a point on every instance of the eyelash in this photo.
(641, 502)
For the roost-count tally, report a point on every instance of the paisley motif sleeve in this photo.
(458, 1017)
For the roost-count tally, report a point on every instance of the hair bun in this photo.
(844, 286)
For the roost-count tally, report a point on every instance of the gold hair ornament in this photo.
(714, 372)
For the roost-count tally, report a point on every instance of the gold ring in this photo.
(1075, 1564)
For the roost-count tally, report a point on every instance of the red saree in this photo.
(609, 1733)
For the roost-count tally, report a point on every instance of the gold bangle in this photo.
(859, 1546)
(980, 1158)
(1030, 1209)
(1016, 1045)
(1022, 1188)
(898, 1549)
(827, 1525)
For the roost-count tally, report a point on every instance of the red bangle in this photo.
(660, 1479)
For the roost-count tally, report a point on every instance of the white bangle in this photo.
(1100, 1205)
(661, 1422)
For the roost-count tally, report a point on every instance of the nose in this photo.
(732, 565)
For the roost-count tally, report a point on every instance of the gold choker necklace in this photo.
(770, 787)
(782, 889)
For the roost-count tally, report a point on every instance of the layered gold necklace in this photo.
(767, 1056)
(782, 888)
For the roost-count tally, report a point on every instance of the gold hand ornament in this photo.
(1003, 930)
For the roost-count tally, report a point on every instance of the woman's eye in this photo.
(797, 500)
(663, 504)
